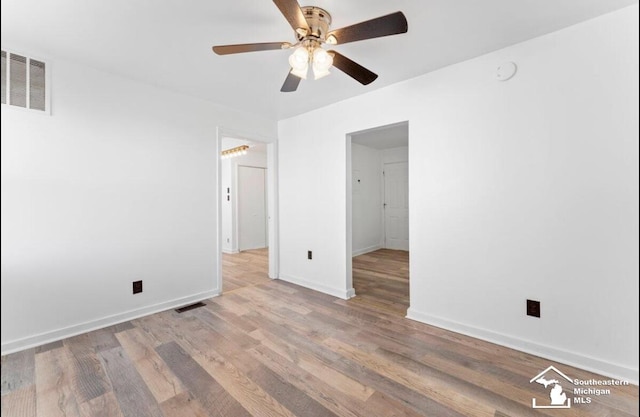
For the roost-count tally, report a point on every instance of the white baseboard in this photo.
(336, 292)
(362, 251)
(230, 252)
(76, 329)
(598, 366)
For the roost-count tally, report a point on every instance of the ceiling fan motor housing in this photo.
(318, 20)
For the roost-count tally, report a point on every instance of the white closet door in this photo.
(396, 208)
(252, 208)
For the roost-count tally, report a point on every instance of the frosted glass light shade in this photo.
(319, 73)
(322, 60)
(299, 59)
(302, 73)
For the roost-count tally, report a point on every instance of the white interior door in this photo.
(396, 205)
(252, 208)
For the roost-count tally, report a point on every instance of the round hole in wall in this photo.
(506, 71)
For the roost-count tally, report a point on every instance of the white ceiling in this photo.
(168, 42)
(385, 137)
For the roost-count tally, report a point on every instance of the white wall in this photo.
(366, 199)
(393, 155)
(118, 184)
(367, 164)
(229, 176)
(519, 189)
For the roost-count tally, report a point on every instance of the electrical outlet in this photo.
(137, 287)
(533, 308)
(309, 254)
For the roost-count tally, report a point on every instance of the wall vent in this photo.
(190, 307)
(24, 82)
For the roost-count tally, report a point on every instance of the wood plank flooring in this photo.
(381, 280)
(244, 269)
(276, 349)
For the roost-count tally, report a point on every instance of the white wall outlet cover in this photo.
(506, 71)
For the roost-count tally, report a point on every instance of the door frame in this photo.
(272, 199)
(349, 206)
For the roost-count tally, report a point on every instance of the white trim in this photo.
(218, 191)
(362, 251)
(76, 329)
(272, 208)
(336, 292)
(348, 278)
(230, 252)
(588, 363)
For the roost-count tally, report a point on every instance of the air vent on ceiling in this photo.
(24, 82)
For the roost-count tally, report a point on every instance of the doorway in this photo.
(378, 217)
(247, 212)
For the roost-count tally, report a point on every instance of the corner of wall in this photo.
(65, 332)
(358, 252)
(345, 294)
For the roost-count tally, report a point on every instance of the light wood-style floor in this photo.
(381, 280)
(244, 269)
(276, 349)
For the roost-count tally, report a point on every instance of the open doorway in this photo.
(379, 179)
(246, 212)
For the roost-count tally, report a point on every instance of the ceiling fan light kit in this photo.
(311, 26)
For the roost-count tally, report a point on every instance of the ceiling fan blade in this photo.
(353, 69)
(249, 47)
(293, 13)
(290, 83)
(391, 24)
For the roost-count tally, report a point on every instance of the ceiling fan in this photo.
(311, 26)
